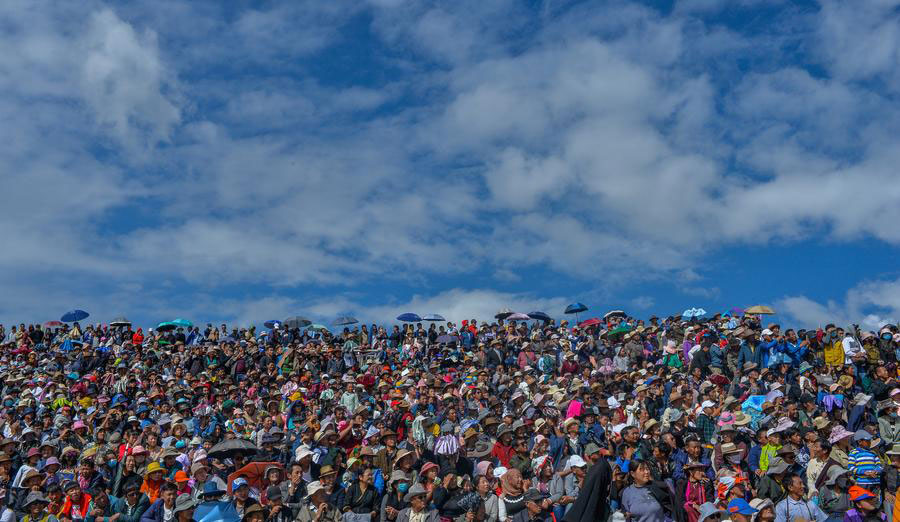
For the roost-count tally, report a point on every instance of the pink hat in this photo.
(726, 419)
(838, 433)
(78, 424)
(137, 450)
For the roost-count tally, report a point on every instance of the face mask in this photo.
(402, 487)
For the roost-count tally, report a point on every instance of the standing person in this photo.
(863, 464)
(795, 506)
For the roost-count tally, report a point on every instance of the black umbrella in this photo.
(345, 320)
(297, 322)
(120, 321)
(540, 316)
(229, 448)
(503, 313)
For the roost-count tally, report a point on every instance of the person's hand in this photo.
(565, 499)
(470, 516)
(390, 512)
(115, 517)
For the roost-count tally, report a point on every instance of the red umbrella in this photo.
(255, 473)
(54, 324)
(590, 322)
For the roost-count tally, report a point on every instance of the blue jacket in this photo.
(717, 356)
(681, 458)
(155, 513)
(747, 354)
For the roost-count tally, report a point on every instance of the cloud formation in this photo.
(329, 145)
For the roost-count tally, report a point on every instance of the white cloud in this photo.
(870, 304)
(124, 81)
(643, 302)
(459, 304)
(190, 143)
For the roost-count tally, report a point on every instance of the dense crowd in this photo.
(680, 419)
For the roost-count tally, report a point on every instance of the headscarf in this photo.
(481, 468)
(506, 483)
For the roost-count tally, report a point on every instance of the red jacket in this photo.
(503, 453)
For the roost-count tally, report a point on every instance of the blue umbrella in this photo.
(433, 317)
(74, 315)
(184, 323)
(272, 323)
(575, 308)
(409, 317)
(540, 316)
(345, 320)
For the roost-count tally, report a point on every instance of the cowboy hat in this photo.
(415, 491)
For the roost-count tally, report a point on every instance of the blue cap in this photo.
(741, 507)
(238, 483)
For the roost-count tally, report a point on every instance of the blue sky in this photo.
(243, 161)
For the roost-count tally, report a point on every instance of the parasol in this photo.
(517, 317)
(231, 447)
(254, 473)
(297, 322)
(760, 310)
(503, 313)
(540, 316)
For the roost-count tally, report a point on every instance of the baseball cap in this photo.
(862, 435)
(238, 483)
(708, 404)
(741, 507)
(857, 493)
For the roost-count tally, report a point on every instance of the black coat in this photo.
(592, 503)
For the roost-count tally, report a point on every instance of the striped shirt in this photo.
(859, 462)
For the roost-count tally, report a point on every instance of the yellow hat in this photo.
(153, 467)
